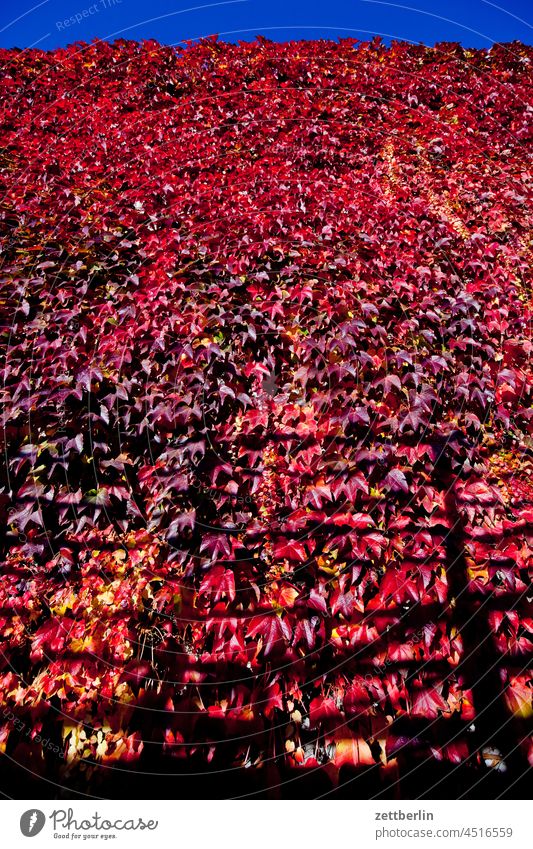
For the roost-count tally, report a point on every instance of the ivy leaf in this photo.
(273, 629)
(219, 583)
(396, 481)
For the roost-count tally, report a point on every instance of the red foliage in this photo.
(267, 404)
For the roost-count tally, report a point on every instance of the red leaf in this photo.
(323, 710)
(219, 582)
(274, 630)
(428, 703)
(290, 550)
(352, 751)
(397, 481)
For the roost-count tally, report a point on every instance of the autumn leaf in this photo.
(352, 751)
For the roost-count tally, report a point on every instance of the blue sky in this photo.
(53, 23)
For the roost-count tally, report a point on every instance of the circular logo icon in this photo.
(32, 822)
